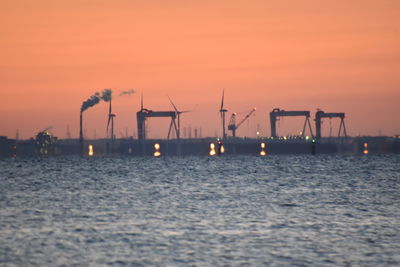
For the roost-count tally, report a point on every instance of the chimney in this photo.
(81, 135)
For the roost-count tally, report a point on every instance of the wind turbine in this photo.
(222, 111)
(110, 119)
(178, 114)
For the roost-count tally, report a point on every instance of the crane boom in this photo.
(232, 123)
(245, 118)
(48, 128)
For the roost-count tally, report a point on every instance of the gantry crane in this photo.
(232, 126)
(318, 121)
(145, 113)
(276, 113)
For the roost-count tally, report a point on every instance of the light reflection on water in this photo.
(229, 210)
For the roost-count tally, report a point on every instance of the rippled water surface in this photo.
(277, 210)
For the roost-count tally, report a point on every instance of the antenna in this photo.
(68, 132)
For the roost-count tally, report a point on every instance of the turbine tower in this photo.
(222, 111)
(110, 120)
(178, 115)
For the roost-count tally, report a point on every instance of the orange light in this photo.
(212, 149)
(365, 151)
(90, 152)
(262, 152)
(157, 152)
(222, 149)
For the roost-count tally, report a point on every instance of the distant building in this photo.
(7, 147)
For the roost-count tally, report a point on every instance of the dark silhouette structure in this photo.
(81, 134)
(232, 126)
(276, 113)
(45, 142)
(145, 113)
(222, 111)
(111, 116)
(318, 121)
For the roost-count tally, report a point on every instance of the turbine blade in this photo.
(222, 100)
(172, 103)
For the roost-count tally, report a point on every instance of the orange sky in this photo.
(340, 56)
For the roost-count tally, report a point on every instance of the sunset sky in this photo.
(339, 56)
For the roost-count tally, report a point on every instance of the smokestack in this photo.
(90, 102)
(112, 123)
(94, 100)
(81, 134)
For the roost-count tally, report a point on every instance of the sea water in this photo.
(202, 211)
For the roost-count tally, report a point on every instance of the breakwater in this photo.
(134, 147)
